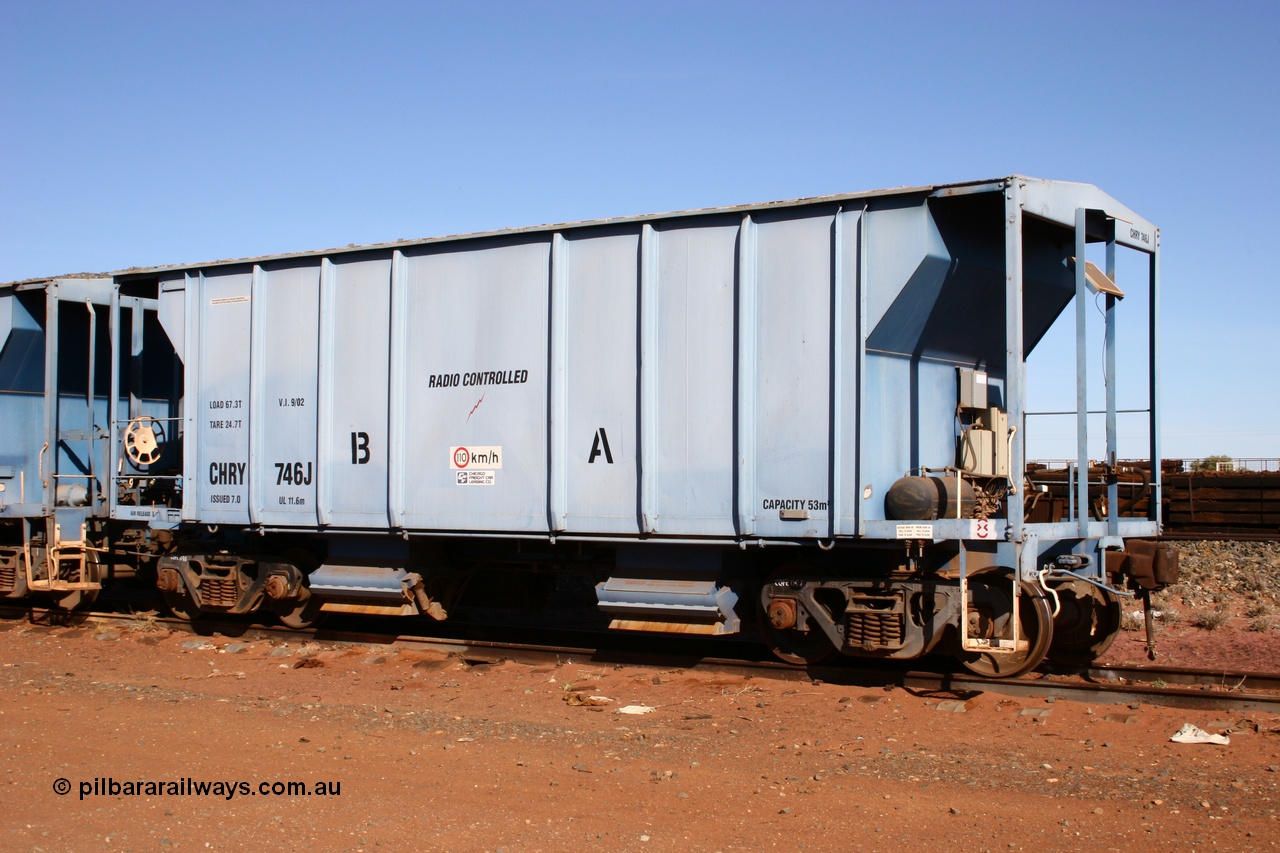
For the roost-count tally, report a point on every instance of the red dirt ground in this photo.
(1235, 582)
(431, 754)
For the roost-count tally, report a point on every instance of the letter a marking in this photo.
(598, 445)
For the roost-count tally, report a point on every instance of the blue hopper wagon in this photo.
(806, 418)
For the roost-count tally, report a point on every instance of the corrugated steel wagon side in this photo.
(819, 404)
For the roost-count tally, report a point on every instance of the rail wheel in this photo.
(76, 599)
(1087, 623)
(303, 612)
(778, 623)
(181, 604)
(177, 598)
(990, 618)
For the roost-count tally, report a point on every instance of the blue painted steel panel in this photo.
(1058, 201)
(172, 314)
(21, 346)
(745, 390)
(694, 348)
(908, 423)
(647, 404)
(792, 375)
(476, 384)
(186, 287)
(601, 360)
(907, 266)
(398, 476)
(286, 470)
(846, 380)
(7, 301)
(218, 386)
(353, 394)
(21, 435)
(75, 459)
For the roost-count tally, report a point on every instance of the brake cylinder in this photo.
(912, 498)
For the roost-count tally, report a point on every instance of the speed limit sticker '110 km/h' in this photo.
(468, 458)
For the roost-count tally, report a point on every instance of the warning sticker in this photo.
(983, 528)
(915, 531)
(474, 478)
(466, 458)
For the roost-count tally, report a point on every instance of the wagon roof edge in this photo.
(1041, 188)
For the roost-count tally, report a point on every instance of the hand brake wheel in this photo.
(144, 440)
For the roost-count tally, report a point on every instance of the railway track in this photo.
(1219, 536)
(1208, 690)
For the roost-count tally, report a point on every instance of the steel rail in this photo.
(1219, 535)
(1226, 700)
(1214, 690)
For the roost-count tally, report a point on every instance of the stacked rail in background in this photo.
(1213, 503)
(1222, 502)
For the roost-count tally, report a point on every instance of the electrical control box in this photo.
(973, 388)
(984, 447)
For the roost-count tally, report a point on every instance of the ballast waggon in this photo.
(806, 418)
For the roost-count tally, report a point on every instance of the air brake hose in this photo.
(1053, 593)
(1151, 624)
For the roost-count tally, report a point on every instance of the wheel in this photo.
(305, 611)
(177, 597)
(799, 647)
(76, 599)
(1087, 623)
(792, 645)
(301, 614)
(990, 609)
(181, 604)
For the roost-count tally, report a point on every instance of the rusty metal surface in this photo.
(1236, 504)
(1167, 697)
(277, 587)
(702, 628)
(1217, 679)
(1244, 501)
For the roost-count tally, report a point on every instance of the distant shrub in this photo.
(1254, 580)
(1210, 619)
(1259, 608)
(1211, 463)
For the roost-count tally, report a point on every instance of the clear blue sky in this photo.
(137, 134)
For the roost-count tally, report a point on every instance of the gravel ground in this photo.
(431, 754)
(1224, 613)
